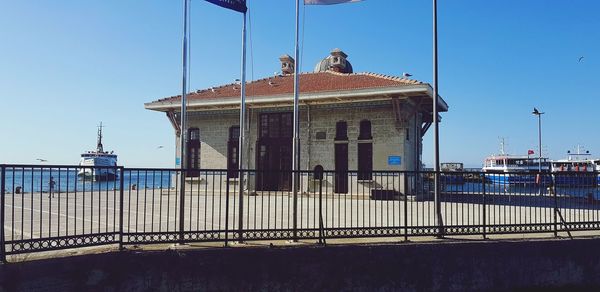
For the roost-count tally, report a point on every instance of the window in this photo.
(365, 151)
(365, 130)
(193, 152)
(365, 161)
(341, 130)
(233, 154)
(194, 134)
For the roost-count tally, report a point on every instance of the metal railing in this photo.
(52, 207)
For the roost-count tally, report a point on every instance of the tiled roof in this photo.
(329, 81)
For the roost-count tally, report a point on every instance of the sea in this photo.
(34, 180)
(66, 180)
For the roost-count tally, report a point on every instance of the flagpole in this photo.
(296, 139)
(183, 134)
(242, 129)
(436, 136)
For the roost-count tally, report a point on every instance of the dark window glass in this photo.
(365, 130)
(274, 126)
(193, 152)
(194, 134)
(234, 133)
(341, 130)
(232, 152)
(264, 126)
(286, 125)
(365, 161)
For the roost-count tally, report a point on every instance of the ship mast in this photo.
(99, 147)
(502, 146)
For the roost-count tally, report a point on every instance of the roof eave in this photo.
(332, 97)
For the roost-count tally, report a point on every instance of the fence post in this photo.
(2, 206)
(296, 188)
(121, 211)
(484, 211)
(318, 175)
(438, 204)
(555, 209)
(181, 206)
(406, 204)
(240, 207)
(227, 208)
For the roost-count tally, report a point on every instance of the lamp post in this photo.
(539, 114)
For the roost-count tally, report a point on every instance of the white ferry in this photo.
(515, 170)
(577, 170)
(107, 162)
(597, 165)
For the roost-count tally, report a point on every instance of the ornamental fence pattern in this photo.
(54, 207)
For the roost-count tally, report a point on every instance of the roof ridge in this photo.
(337, 73)
(391, 78)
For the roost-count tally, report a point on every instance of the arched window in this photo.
(193, 151)
(233, 154)
(365, 151)
(341, 130)
(365, 130)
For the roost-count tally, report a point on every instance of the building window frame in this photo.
(193, 147)
(365, 152)
(233, 153)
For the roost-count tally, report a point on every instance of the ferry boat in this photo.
(508, 169)
(452, 173)
(597, 164)
(99, 157)
(577, 170)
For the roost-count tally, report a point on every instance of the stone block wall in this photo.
(389, 138)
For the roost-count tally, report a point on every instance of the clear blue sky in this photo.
(66, 65)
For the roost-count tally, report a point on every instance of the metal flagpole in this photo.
(436, 134)
(296, 139)
(183, 135)
(242, 129)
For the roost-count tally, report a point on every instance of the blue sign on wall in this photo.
(394, 160)
(177, 161)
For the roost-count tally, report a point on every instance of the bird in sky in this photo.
(580, 59)
(406, 75)
(41, 160)
(160, 147)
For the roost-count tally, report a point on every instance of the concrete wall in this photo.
(484, 266)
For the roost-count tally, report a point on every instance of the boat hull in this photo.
(576, 180)
(518, 178)
(452, 179)
(98, 168)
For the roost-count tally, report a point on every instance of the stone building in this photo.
(350, 123)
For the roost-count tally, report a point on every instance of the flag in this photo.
(237, 5)
(529, 152)
(328, 2)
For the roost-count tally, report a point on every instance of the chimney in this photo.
(338, 61)
(287, 64)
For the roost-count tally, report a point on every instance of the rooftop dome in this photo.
(336, 61)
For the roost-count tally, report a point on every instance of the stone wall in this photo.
(389, 138)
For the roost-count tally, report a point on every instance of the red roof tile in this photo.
(309, 83)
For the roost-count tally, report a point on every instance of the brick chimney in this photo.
(287, 64)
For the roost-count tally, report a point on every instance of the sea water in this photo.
(36, 180)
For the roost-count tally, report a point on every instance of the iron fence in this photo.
(54, 207)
